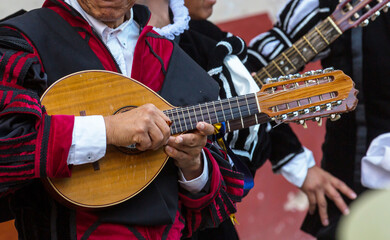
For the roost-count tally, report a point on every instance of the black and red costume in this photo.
(44, 45)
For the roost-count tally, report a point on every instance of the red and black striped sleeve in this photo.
(224, 189)
(32, 143)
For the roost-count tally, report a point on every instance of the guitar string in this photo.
(291, 52)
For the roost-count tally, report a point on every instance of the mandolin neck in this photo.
(301, 52)
(186, 118)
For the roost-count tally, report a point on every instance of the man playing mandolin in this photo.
(67, 36)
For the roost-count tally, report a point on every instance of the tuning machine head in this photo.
(335, 117)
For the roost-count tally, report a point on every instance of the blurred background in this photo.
(274, 209)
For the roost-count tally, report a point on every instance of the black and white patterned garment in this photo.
(294, 20)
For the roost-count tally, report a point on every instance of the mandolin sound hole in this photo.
(131, 149)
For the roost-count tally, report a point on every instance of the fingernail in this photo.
(346, 211)
(353, 195)
(326, 222)
(168, 149)
(178, 140)
(201, 126)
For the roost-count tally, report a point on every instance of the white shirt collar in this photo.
(97, 25)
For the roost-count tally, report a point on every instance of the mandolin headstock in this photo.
(310, 96)
(348, 15)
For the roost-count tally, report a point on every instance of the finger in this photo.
(343, 188)
(312, 202)
(205, 128)
(322, 208)
(143, 142)
(174, 153)
(183, 144)
(334, 195)
(158, 134)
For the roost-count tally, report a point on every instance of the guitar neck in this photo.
(301, 52)
(186, 118)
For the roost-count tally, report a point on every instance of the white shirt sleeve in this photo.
(295, 170)
(88, 140)
(196, 184)
(376, 163)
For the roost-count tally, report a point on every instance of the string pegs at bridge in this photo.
(303, 123)
(335, 117)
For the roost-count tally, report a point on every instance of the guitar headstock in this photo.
(348, 15)
(315, 94)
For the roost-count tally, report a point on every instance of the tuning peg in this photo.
(335, 117)
(319, 121)
(367, 7)
(271, 80)
(284, 116)
(356, 15)
(376, 14)
(319, 71)
(282, 78)
(297, 75)
(309, 73)
(364, 23)
(386, 7)
(329, 69)
(294, 114)
(317, 108)
(328, 106)
(349, 6)
(303, 123)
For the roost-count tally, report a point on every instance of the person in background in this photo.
(66, 36)
(361, 53)
(206, 44)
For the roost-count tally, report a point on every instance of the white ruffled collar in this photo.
(180, 20)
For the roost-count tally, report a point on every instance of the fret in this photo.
(280, 70)
(266, 72)
(258, 80)
(208, 113)
(189, 116)
(230, 106)
(257, 120)
(178, 117)
(228, 126)
(196, 118)
(330, 20)
(215, 111)
(201, 112)
(223, 111)
(299, 52)
(184, 119)
(330, 30)
(288, 60)
(322, 36)
(239, 110)
(247, 105)
(308, 42)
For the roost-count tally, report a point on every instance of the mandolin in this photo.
(124, 172)
(344, 17)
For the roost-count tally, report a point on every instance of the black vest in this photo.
(64, 51)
